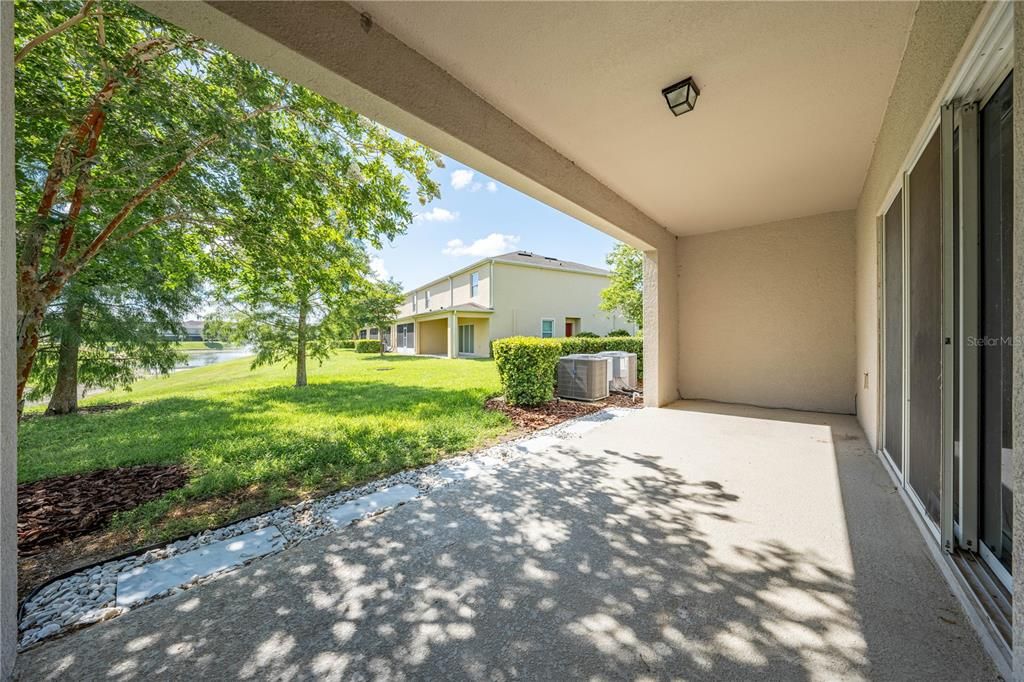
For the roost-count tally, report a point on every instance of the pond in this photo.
(202, 358)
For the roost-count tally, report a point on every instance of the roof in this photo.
(530, 258)
(520, 258)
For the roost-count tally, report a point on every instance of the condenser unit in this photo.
(583, 377)
(623, 372)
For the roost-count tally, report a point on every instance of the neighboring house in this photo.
(515, 294)
(193, 330)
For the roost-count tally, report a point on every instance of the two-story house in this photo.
(515, 294)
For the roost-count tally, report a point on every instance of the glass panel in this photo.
(925, 251)
(893, 297)
(996, 319)
(547, 328)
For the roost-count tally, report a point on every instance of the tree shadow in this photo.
(566, 564)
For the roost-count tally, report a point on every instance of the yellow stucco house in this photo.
(514, 294)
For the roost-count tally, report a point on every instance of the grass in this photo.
(253, 441)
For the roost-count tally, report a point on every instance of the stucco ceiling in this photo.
(792, 94)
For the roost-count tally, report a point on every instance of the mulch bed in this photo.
(558, 410)
(56, 509)
(85, 409)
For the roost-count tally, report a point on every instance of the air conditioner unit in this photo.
(623, 372)
(583, 377)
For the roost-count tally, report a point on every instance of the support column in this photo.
(453, 329)
(8, 315)
(1017, 409)
(661, 326)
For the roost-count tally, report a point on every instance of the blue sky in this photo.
(477, 217)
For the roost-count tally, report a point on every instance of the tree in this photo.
(126, 125)
(379, 306)
(626, 292)
(105, 333)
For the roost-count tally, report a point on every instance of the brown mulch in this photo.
(85, 409)
(55, 509)
(559, 410)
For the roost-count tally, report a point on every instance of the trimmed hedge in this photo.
(368, 346)
(348, 343)
(630, 344)
(587, 335)
(526, 366)
(619, 332)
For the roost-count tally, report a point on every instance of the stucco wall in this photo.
(936, 39)
(767, 314)
(461, 285)
(432, 337)
(523, 296)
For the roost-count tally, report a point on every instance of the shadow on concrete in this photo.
(576, 562)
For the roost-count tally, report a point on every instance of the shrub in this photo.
(587, 335)
(368, 346)
(618, 332)
(630, 344)
(526, 366)
(348, 343)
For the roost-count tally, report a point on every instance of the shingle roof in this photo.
(530, 258)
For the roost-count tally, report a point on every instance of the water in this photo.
(202, 358)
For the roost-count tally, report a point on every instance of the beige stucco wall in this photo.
(524, 295)
(767, 314)
(432, 337)
(935, 42)
(461, 286)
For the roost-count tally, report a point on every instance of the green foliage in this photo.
(587, 335)
(630, 344)
(128, 127)
(368, 346)
(626, 292)
(347, 344)
(526, 367)
(378, 306)
(618, 332)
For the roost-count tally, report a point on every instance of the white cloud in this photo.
(491, 245)
(380, 273)
(462, 178)
(437, 215)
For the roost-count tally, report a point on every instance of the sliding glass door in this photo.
(947, 331)
(996, 322)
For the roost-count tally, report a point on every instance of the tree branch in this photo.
(83, 14)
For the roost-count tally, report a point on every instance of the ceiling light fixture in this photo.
(682, 96)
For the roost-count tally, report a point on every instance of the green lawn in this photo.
(252, 440)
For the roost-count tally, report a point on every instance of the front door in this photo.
(568, 329)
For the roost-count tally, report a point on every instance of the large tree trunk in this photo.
(65, 392)
(300, 352)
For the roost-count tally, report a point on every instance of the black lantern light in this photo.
(682, 96)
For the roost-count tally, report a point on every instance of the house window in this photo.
(373, 332)
(426, 297)
(362, 333)
(474, 284)
(466, 338)
(414, 297)
(547, 329)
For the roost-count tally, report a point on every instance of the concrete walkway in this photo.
(695, 542)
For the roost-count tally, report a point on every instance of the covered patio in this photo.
(696, 541)
(804, 229)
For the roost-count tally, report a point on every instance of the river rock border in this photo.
(90, 595)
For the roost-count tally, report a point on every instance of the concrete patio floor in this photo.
(699, 541)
